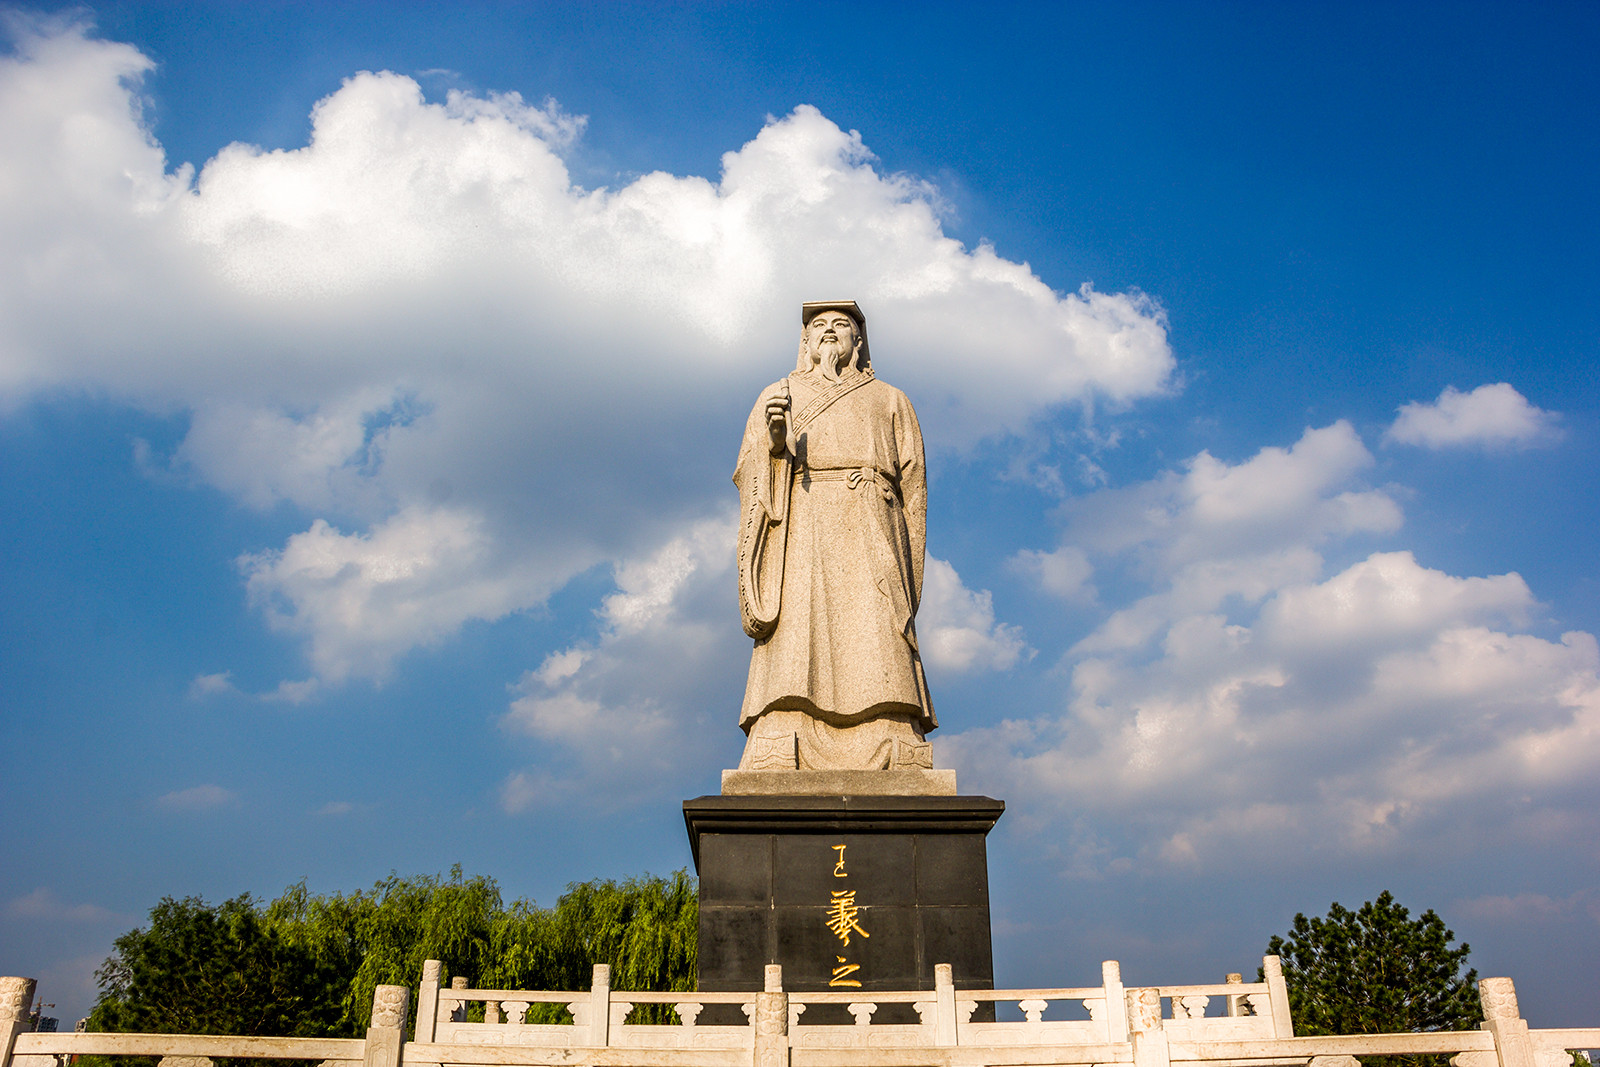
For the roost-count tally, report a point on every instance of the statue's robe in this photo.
(848, 544)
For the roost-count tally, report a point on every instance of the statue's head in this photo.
(833, 337)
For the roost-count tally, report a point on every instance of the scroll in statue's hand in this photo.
(778, 422)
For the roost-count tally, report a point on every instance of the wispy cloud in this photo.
(209, 685)
(1491, 416)
(44, 905)
(1529, 908)
(337, 808)
(196, 798)
(286, 692)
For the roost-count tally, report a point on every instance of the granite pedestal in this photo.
(846, 892)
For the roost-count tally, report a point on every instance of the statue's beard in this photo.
(832, 357)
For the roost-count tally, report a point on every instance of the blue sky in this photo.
(370, 378)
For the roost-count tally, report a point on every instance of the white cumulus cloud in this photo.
(1216, 531)
(1491, 416)
(1249, 703)
(956, 627)
(474, 378)
(654, 697)
(626, 711)
(363, 598)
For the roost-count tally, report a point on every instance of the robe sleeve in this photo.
(760, 476)
(913, 489)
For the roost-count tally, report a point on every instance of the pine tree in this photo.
(1377, 970)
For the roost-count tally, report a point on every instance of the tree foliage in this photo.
(306, 964)
(1376, 970)
(199, 969)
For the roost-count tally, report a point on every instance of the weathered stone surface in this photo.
(833, 495)
(902, 783)
(1499, 997)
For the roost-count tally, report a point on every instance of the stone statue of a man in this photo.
(833, 497)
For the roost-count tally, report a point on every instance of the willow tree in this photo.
(306, 964)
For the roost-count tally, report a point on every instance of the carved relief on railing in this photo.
(773, 1015)
(1258, 1003)
(389, 1004)
(1097, 1009)
(386, 1034)
(1033, 1010)
(184, 1061)
(16, 997)
(862, 1012)
(1189, 1007)
(516, 1011)
(1144, 1009)
(1499, 998)
(688, 1011)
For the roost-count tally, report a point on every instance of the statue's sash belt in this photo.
(854, 477)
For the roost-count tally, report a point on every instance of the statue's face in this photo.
(831, 337)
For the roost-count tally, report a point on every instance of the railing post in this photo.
(945, 1032)
(1150, 1046)
(772, 1021)
(427, 1002)
(1277, 996)
(1116, 1001)
(387, 1032)
(16, 998)
(1503, 1019)
(1235, 1002)
(600, 1006)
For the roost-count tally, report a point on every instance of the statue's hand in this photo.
(778, 422)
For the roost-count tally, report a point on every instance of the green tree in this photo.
(213, 969)
(382, 936)
(647, 929)
(1377, 970)
(307, 964)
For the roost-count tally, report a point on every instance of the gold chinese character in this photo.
(841, 974)
(838, 868)
(842, 913)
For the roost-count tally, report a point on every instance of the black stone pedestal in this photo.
(852, 892)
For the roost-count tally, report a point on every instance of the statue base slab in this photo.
(899, 783)
(846, 892)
